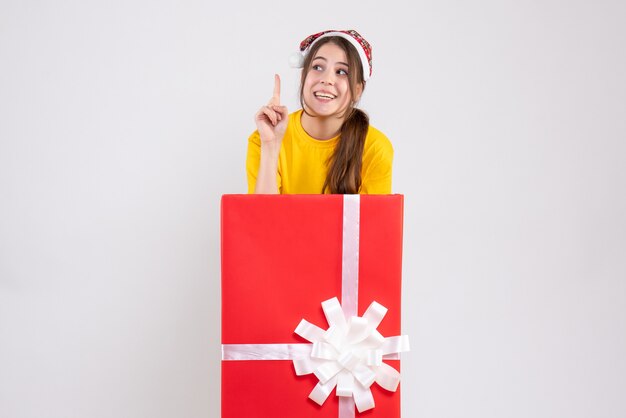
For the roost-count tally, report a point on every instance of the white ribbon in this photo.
(348, 355)
(350, 254)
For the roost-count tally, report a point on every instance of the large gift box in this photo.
(311, 289)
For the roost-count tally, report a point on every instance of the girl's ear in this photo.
(358, 92)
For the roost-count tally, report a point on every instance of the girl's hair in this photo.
(344, 165)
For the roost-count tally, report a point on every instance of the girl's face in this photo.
(326, 87)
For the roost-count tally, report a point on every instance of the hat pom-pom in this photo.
(296, 60)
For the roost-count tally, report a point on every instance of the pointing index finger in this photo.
(276, 96)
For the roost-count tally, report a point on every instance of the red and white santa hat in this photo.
(296, 60)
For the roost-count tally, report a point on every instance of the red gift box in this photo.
(281, 257)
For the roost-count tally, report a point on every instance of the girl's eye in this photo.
(342, 72)
(316, 67)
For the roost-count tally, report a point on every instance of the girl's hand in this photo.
(271, 120)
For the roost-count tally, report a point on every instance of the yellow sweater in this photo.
(302, 161)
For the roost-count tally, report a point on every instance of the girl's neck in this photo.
(321, 127)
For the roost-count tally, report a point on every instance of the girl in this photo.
(328, 146)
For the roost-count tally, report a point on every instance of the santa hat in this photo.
(364, 49)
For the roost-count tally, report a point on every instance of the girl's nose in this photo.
(328, 78)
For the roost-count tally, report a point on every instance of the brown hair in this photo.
(344, 165)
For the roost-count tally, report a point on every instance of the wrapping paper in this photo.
(281, 257)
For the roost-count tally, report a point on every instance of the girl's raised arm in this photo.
(271, 122)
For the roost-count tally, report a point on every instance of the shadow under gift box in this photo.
(281, 257)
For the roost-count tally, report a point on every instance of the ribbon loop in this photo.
(321, 391)
(387, 377)
(334, 314)
(363, 398)
(375, 314)
(308, 331)
(305, 365)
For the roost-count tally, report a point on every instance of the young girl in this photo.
(328, 146)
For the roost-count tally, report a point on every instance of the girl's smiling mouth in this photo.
(324, 95)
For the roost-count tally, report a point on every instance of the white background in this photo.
(123, 122)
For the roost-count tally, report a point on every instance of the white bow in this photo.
(349, 355)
